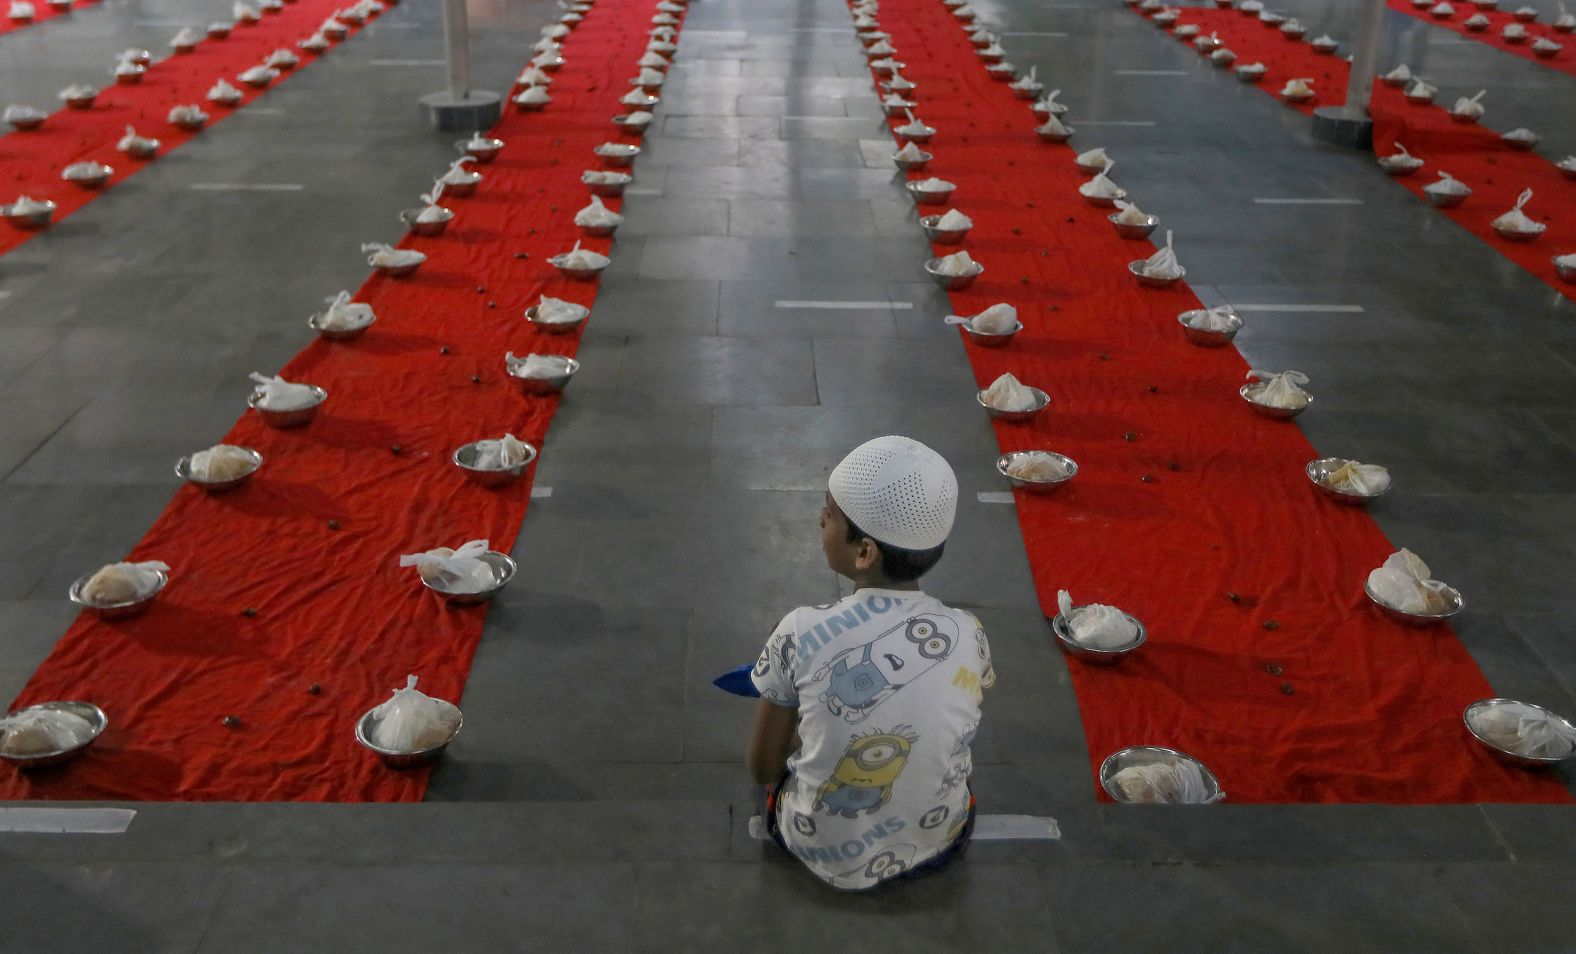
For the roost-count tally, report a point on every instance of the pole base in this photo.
(477, 111)
(1343, 126)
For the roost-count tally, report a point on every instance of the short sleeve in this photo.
(776, 671)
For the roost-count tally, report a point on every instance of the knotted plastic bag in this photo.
(387, 256)
(454, 571)
(221, 462)
(42, 731)
(343, 314)
(1526, 731)
(1172, 782)
(1400, 160)
(1101, 186)
(1516, 220)
(1357, 478)
(277, 394)
(913, 127)
(1130, 214)
(958, 263)
(556, 311)
(132, 141)
(459, 175)
(505, 453)
(1470, 107)
(1096, 625)
(1163, 264)
(1093, 157)
(412, 721)
(533, 96)
(578, 257)
(1447, 185)
(1279, 389)
(1400, 74)
(123, 582)
(998, 319)
(1219, 318)
(1302, 86)
(1007, 393)
(1403, 582)
(597, 216)
(1034, 465)
(536, 365)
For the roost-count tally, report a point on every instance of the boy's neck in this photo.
(879, 581)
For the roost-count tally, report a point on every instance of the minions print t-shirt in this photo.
(888, 684)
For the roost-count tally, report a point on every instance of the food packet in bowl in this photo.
(1007, 393)
(455, 571)
(1403, 582)
(42, 731)
(1096, 624)
(1526, 731)
(1279, 389)
(277, 394)
(1173, 782)
(412, 721)
(123, 582)
(220, 462)
(501, 454)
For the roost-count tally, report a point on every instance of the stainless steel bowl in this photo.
(481, 153)
(896, 112)
(607, 190)
(367, 725)
(346, 334)
(183, 470)
(952, 282)
(1002, 72)
(1137, 269)
(1031, 91)
(643, 106)
(1395, 83)
(1128, 231)
(1053, 136)
(1439, 201)
(461, 190)
(1206, 338)
(1149, 755)
(1566, 272)
(554, 327)
(27, 125)
(298, 417)
(143, 150)
(1278, 413)
(552, 385)
(578, 274)
(1319, 472)
(92, 714)
(622, 156)
(30, 220)
(116, 610)
(923, 197)
(1222, 58)
(1399, 166)
(1036, 486)
(1040, 396)
(1457, 604)
(1091, 168)
(1299, 97)
(638, 130)
(399, 271)
(1523, 145)
(95, 181)
(1424, 99)
(598, 231)
(987, 339)
(1510, 235)
(1104, 201)
(1056, 109)
(939, 236)
(503, 570)
(913, 165)
(1249, 76)
(1324, 48)
(81, 102)
(465, 460)
(409, 217)
(131, 79)
(1091, 654)
(1469, 718)
(1464, 119)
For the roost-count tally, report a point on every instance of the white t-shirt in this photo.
(888, 684)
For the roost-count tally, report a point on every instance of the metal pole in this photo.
(1365, 56)
(456, 41)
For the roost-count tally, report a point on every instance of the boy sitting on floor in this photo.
(880, 692)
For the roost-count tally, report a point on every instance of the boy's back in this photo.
(888, 685)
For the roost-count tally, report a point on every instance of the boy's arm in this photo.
(771, 740)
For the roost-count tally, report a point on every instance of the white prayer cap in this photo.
(898, 491)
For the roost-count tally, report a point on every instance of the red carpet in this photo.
(31, 162)
(1297, 690)
(1564, 60)
(1473, 154)
(41, 12)
(332, 607)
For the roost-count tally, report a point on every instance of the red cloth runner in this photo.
(1297, 690)
(332, 606)
(41, 12)
(31, 162)
(1564, 61)
(1472, 153)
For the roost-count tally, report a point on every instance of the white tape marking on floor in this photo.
(844, 305)
(67, 821)
(996, 496)
(1150, 72)
(1016, 828)
(247, 187)
(1117, 122)
(406, 62)
(1304, 201)
(541, 492)
(986, 828)
(1335, 309)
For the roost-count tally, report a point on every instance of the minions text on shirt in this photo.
(888, 684)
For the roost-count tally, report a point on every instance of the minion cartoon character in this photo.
(862, 677)
(863, 779)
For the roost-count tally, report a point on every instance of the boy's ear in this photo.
(869, 555)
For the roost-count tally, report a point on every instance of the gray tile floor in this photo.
(596, 800)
